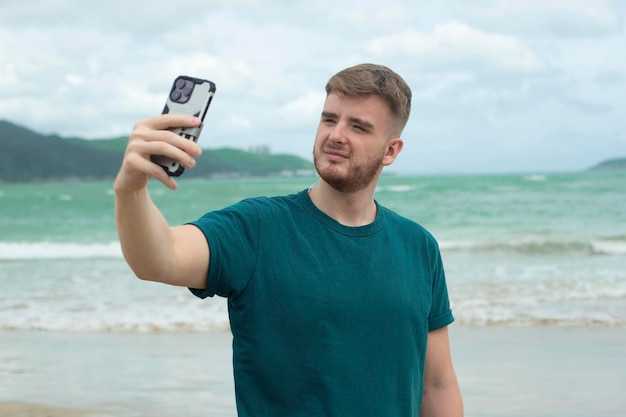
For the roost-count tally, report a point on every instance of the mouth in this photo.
(334, 154)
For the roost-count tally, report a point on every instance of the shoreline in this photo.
(503, 372)
(38, 410)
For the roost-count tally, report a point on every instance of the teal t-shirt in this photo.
(327, 320)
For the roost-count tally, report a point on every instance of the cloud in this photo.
(495, 82)
(239, 123)
(610, 78)
(9, 80)
(456, 45)
(544, 19)
(305, 107)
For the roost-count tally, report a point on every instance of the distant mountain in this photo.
(27, 156)
(618, 164)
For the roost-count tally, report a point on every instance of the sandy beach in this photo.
(503, 371)
(35, 410)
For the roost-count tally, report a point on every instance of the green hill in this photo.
(618, 164)
(27, 156)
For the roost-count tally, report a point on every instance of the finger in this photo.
(145, 134)
(187, 145)
(145, 149)
(168, 181)
(169, 121)
(157, 172)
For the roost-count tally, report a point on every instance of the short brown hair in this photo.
(366, 79)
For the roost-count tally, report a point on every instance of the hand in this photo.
(152, 137)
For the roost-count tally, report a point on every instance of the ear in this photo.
(393, 150)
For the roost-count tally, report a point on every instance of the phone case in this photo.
(191, 96)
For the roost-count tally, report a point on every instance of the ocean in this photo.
(519, 250)
(535, 264)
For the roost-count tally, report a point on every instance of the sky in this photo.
(530, 86)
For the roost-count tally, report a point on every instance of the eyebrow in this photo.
(362, 122)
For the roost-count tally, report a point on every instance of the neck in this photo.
(349, 209)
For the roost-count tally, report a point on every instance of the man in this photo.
(337, 305)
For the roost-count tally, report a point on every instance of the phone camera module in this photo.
(175, 95)
(181, 91)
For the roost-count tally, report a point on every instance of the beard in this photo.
(351, 177)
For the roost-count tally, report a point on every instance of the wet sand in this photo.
(35, 410)
(503, 372)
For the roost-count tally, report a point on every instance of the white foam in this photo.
(56, 250)
(536, 245)
(173, 314)
(396, 188)
(534, 177)
(609, 247)
(458, 244)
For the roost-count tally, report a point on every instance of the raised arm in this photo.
(154, 250)
(442, 396)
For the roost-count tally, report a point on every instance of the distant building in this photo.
(260, 149)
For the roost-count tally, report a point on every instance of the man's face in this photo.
(352, 141)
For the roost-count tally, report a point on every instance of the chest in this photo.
(338, 285)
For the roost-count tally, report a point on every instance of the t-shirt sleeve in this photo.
(440, 314)
(233, 236)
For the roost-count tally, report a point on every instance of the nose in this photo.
(337, 134)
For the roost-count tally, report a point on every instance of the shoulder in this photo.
(412, 234)
(268, 204)
(397, 220)
(257, 208)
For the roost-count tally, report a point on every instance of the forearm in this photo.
(442, 400)
(144, 235)
(442, 395)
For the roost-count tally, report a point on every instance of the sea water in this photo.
(536, 270)
(519, 250)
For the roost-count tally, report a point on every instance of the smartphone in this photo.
(191, 96)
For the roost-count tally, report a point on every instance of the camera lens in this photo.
(175, 95)
(180, 83)
(187, 91)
